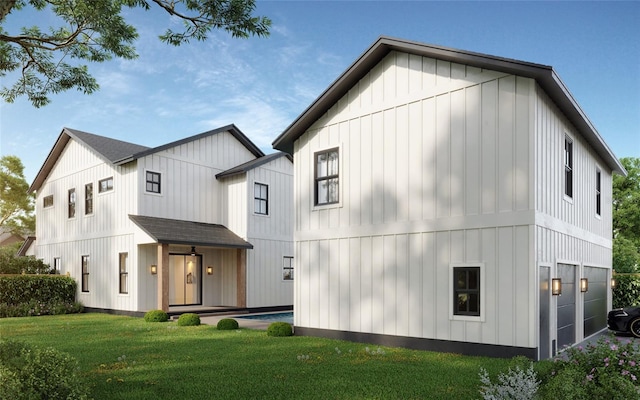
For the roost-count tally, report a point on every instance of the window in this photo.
(88, 198)
(153, 182)
(123, 273)
(85, 273)
(261, 199)
(326, 177)
(47, 201)
(598, 193)
(106, 184)
(466, 291)
(568, 167)
(72, 203)
(57, 266)
(287, 269)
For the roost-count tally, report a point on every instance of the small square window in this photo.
(466, 291)
(287, 269)
(153, 182)
(106, 184)
(47, 201)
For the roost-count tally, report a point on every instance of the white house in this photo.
(437, 194)
(201, 222)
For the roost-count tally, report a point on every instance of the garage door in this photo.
(567, 306)
(595, 300)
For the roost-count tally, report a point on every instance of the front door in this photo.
(185, 279)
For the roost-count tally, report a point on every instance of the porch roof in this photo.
(173, 231)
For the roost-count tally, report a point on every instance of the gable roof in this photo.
(173, 231)
(24, 248)
(544, 75)
(249, 165)
(118, 152)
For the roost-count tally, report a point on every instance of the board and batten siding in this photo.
(190, 190)
(436, 168)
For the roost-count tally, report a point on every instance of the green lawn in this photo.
(128, 358)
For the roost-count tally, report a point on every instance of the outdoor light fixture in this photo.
(584, 285)
(193, 251)
(154, 269)
(556, 286)
(613, 283)
(209, 270)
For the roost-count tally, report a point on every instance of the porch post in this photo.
(242, 277)
(163, 276)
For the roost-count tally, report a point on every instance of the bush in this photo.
(12, 264)
(156, 316)
(515, 384)
(189, 319)
(627, 290)
(30, 295)
(227, 324)
(34, 308)
(279, 329)
(28, 372)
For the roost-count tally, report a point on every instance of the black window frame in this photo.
(47, 201)
(88, 199)
(156, 186)
(598, 192)
(105, 185)
(568, 167)
(287, 268)
(259, 201)
(85, 273)
(333, 179)
(57, 266)
(467, 290)
(71, 203)
(123, 282)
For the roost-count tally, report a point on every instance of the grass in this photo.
(128, 358)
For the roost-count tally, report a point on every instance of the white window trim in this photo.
(144, 183)
(483, 285)
(99, 193)
(566, 197)
(318, 207)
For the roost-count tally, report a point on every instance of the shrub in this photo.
(189, 319)
(279, 329)
(28, 372)
(10, 263)
(607, 369)
(19, 289)
(34, 308)
(515, 384)
(227, 324)
(627, 290)
(156, 316)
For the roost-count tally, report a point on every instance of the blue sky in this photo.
(263, 84)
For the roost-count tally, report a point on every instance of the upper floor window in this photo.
(106, 184)
(88, 198)
(153, 182)
(47, 201)
(466, 291)
(261, 198)
(287, 268)
(568, 167)
(85, 273)
(326, 177)
(72, 203)
(598, 193)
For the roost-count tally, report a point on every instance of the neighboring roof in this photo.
(172, 231)
(22, 251)
(118, 152)
(7, 237)
(543, 74)
(249, 165)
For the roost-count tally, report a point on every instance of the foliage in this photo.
(156, 316)
(96, 31)
(189, 319)
(607, 369)
(227, 324)
(16, 205)
(10, 263)
(626, 293)
(626, 217)
(35, 308)
(29, 295)
(179, 363)
(516, 384)
(28, 372)
(279, 329)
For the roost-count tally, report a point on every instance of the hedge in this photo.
(626, 293)
(20, 289)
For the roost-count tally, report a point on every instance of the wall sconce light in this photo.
(584, 285)
(613, 283)
(209, 270)
(193, 251)
(154, 269)
(556, 286)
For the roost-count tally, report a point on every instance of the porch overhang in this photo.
(173, 231)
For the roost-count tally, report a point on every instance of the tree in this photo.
(16, 204)
(96, 31)
(626, 217)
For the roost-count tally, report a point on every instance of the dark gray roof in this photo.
(111, 150)
(544, 75)
(172, 231)
(249, 165)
